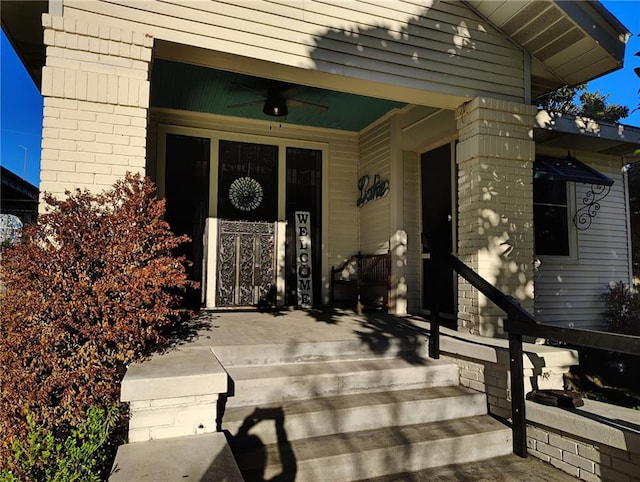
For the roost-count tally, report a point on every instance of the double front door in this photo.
(250, 200)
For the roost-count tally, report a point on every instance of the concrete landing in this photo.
(198, 458)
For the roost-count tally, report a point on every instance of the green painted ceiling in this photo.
(193, 88)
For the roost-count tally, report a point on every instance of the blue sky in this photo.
(622, 85)
(20, 116)
(21, 104)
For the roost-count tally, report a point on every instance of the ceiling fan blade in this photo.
(307, 105)
(248, 88)
(245, 104)
(287, 91)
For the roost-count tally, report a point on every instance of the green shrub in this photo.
(91, 287)
(622, 309)
(80, 457)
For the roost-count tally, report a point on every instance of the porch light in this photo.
(275, 107)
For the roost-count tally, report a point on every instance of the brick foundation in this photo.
(593, 443)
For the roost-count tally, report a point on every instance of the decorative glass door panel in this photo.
(246, 263)
(247, 212)
(247, 181)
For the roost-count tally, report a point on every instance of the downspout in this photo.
(627, 201)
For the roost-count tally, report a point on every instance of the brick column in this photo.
(495, 207)
(96, 95)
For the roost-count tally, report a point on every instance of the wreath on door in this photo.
(245, 194)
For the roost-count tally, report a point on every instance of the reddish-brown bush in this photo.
(91, 287)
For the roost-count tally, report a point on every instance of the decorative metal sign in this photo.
(245, 194)
(584, 216)
(377, 190)
(303, 259)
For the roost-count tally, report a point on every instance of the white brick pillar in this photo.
(95, 85)
(495, 206)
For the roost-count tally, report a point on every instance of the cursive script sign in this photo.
(377, 190)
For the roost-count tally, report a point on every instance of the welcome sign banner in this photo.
(303, 259)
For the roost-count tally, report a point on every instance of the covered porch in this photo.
(226, 354)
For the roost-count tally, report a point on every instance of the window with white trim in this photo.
(551, 217)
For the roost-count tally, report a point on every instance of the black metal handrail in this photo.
(574, 336)
(603, 340)
(519, 323)
(506, 303)
(514, 311)
(443, 259)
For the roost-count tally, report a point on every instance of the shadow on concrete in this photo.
(617, 423)
(251, 454)
(328, 315)
(382, 333)
(189, 327)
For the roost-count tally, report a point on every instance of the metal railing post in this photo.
(434, 332)
(518, 416)
(520, 322)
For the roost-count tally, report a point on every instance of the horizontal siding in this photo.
(570, 293)
(343, 193)
(375, 145)
(444, 47)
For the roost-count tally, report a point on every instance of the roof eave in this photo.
(576, 132)
(600, 24)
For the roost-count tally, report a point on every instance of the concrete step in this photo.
(256, 385)
(411, 348)
(351, 413)
(374, 453)
(508, 468)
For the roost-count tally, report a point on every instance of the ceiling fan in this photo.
(277, 97)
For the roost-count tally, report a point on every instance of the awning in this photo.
(568, 169)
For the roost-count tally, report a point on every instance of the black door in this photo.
(437, 216)
(304, 193)
(187, 194)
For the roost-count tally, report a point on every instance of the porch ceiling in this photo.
(190, 87)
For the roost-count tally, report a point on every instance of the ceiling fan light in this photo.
(275, 108)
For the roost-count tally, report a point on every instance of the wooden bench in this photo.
(362, 282)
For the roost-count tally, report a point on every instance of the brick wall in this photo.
(95, 85)
(174, 394)
(585, 459)
(172, 417)
(495, 213)
(593, 443)
(493, 378)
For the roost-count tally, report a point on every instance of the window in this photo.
(551, 218)
(247, 181)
